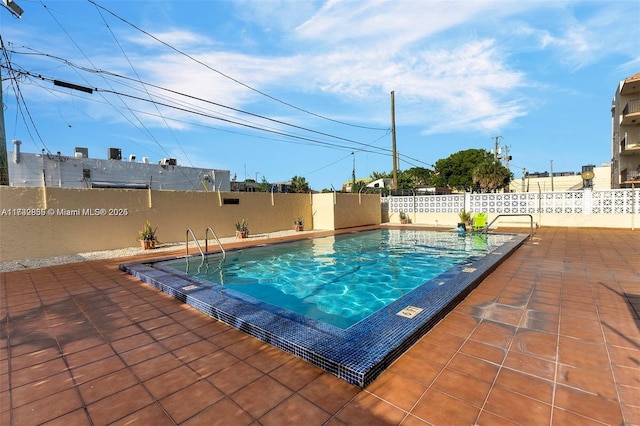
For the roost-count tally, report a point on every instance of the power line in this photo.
(225, 75)
(20, 102)
(148, 132)
(146, 84)
(209, 115)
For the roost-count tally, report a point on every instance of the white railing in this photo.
(615, 201)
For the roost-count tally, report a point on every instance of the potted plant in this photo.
(465, 218)
(298, 224)
(147, 236)
(403, 217)
(242, 229)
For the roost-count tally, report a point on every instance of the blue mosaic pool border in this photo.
(358, 354)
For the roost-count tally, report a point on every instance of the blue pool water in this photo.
(341, 280)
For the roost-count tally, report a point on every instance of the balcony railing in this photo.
(632, 107)
(630, 175)
(629, 146)
(631, 113)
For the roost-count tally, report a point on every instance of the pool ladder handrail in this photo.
(206, 242)
(193, 237)
(486, 228)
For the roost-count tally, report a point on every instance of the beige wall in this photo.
(59, 221)
(338, 210)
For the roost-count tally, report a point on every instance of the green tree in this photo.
(490, 176)
(264, 185)
(299, 185)
(357, 186)
(411, 178)
(456, 171)
(419, 176)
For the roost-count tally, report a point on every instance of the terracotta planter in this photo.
(299, 228)
(242, 234)
(147, 244)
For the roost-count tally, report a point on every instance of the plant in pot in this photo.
(403, 217)
(465, 219)
(298, 224)
(242, 229)
(147, 236)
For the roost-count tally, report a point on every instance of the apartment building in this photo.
(625, 134)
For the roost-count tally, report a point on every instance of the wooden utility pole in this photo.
(16, 11)
(394, 184)
(4, 163)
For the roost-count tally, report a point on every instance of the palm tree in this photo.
(490, 175)
(299, 185)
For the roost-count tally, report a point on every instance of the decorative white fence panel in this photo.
(621, 202)
(514, 202)
(618, 201)
(427, 203)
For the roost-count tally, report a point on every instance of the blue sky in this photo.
(177, 79)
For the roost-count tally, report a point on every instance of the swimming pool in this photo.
(342, 279)
(293, 295)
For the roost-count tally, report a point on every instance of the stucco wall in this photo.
(323, 210)
(42, 222)
(338, 210)
(356, 209)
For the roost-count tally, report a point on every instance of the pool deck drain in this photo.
(357, 354)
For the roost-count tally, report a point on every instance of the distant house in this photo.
(590, 177)
(80, 171)
(346, 186)
(380, 183)
(625, 134)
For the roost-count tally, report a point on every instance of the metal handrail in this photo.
(193, 236)
(206, 241)
(510, 214)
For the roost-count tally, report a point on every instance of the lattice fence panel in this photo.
(621, 201)
(616, 202)
(426, 204)
(510, 203)
(569, 202)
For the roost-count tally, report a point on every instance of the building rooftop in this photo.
(552, 336)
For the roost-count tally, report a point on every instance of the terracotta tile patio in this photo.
(552, 337)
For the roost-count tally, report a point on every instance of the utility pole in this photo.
(394, 184)
(16, 11)
(353, 172)
(4, 163)
(496, 149)
(551, 175)
(506, 157)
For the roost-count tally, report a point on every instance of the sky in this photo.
(280, 88)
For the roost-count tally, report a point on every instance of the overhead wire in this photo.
(227, 120)
(142, 125)
(143, 85)
(20, 101)
(225, 75)
(236, 120)
(260, 116)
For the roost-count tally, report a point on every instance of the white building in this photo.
(79, 171)
(625, 134)
(594, 177)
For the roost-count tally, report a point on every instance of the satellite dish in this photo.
(588, 175)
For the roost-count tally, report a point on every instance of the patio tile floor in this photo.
(551, 337)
